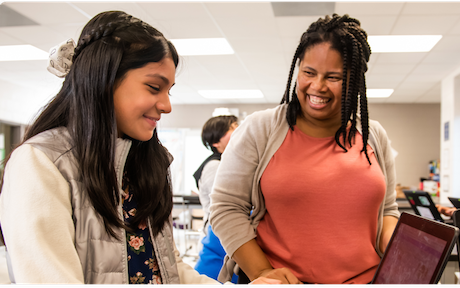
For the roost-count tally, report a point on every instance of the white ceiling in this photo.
(263, 44)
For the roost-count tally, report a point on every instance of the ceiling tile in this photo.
(445, 57)
(393, 68)
(431, 8)
(294, 27)
(389, 81)
(377, 24)
(424, 25)
(35, 35)
(180, 29)
(431, 96)
(6, 39)
(240, 10)
(448, 43)
(432, 69)
(247, 28)
(368, 8)
(175, 11)
(399, 58)
(50, 12)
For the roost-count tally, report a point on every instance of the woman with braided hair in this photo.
(317, 149)
(86, 197)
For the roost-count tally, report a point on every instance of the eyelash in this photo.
(158, 89)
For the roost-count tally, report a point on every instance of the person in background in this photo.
(317, 149)
(215, 136)
(80, 199)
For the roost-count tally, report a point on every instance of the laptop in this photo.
(418, 251)
(455, 202)
(423, 205)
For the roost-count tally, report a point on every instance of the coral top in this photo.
(322, 210)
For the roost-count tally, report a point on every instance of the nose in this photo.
(319, 84)
(164, 104)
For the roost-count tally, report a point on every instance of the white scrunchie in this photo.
(60, 58)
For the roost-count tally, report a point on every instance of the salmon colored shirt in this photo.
(322, 210)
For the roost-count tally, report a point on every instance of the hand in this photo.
(448, 211)
(265, 280)
(283, 274)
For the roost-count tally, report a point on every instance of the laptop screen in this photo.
(403, 266)
(417, 252)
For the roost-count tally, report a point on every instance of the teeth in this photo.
(317, 100)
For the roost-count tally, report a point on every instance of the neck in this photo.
(318, 128)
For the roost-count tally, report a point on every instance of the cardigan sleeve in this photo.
(388, 161)
(236, 180)
(36, 219)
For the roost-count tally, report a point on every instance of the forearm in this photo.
(251, 259)
(389, 224)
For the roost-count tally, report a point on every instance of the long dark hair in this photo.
(111, 44)
(347, 37)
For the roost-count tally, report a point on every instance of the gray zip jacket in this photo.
(51, 230)
(237, 191)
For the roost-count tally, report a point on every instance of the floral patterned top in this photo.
(142, 264)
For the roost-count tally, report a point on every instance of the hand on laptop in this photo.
(448, 211)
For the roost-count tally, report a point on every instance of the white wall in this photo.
(450, 153)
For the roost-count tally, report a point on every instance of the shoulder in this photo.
(54, 143)
(272, 114)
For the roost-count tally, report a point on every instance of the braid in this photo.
(344, 110)
(364, 118)
(291, 71)
(96, 34)
(346, 36)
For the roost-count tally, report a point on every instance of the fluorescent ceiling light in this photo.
(231, 94)
(202, 46)
(21, 53)
(402, 43)
(379, 93)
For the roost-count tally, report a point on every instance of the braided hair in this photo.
(111, 44)
(347, 37)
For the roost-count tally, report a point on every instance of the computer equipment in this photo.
(418, 251)
(423, 205)
(455, 202)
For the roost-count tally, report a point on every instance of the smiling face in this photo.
(141, 98)
(319, 84)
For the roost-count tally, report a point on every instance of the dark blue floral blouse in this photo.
(142, 264)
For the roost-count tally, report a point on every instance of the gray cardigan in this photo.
(237, 185)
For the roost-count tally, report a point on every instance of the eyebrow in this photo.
(166, 80)
(330, 72)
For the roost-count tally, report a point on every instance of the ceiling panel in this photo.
(368, 8)
(393, 68)
(264, 44)
(377, 24)
(50, 13)
(431, 8)
(240, 10)
(399, 58)
(424, 25)
(204, 28)
(6, 39)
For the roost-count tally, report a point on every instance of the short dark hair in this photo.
(216, 128)
(348, 38)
